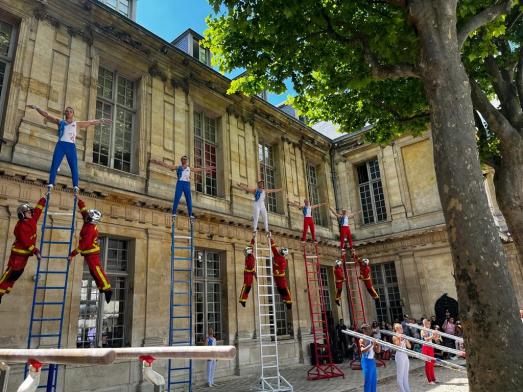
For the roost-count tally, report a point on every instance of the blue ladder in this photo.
(52, 271)
(180, 314)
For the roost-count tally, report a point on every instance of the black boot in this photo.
(289, 305)
(338, 302)
(242, 303)
(108, 295)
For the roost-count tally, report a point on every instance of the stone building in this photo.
(165, 101)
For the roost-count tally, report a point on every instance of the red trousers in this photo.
(308, 222)
(345, 234)
(370, 288)
(97, 272)
(281, 285)
(15, 268)
(248, 277)
(339, 288)
(429, 366)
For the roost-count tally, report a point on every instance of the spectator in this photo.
(449, 327)
(352, 349)
(433, 322)
(406, 329)
(342, 338)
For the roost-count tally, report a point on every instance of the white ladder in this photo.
(270, 379)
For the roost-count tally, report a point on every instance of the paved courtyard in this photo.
(448, 380)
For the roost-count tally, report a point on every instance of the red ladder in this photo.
(324, 367)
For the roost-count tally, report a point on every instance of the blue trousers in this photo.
(185, 188)
(69, 150)
(368, 366)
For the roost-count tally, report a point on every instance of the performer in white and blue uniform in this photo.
(211, 363)
(183, 184)
(66, 145)
(368, 362)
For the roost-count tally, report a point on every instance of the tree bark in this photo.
(488, 308)
(508, 180)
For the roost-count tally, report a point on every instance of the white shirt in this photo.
(69, 134)
(344, 220)
(259, 196)
(307, 211)
(185, 174)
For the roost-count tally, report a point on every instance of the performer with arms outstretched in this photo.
(66, 145)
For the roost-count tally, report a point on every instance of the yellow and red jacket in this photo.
(250, 261)
(279, 263)
(25, 232)
(338, 274)
(88, 244)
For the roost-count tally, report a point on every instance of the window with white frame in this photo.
(314, 194)
(122, 6)
(283, 316)
(7, 49)
(326, 295)
(101, 324)
(208, 295)
(371, 192)
(268, 173)
(385, 280)
(205, 150)
(116, 99)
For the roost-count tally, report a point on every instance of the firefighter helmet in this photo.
(94, 216)
(284, 251)
(22, 209)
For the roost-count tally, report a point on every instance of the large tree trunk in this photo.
(488, 308)
(508, 180)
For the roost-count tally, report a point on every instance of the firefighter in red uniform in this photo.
(365, 276)
(24, 245)
(88, 247)
(248, 273)
(340, 278)
(279, 264)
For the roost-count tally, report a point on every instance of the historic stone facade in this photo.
(165, 104)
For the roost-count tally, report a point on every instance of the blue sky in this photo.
(169, 18)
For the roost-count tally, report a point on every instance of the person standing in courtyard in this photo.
(428, 336)
(402, 360)
(369, 349)
(211, 363)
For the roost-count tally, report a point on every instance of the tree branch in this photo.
(484, 17)
(497, 122)
(378, 71)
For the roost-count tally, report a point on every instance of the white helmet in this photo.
(365, 261)
(94, 216)
(248, 250)
(284, 251)
(338, 262)
(22, 209)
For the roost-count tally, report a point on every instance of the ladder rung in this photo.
(59, 228)
(186, 237)
(181, 329)
(182, 258)
(60, 213)
(52, 272)
(53, 257)
(56, 242)
(47, 319)
(181, 305)
(183, 247)
(182, 269)
(177, 317)
(49, 303)
(50, 288)
(45, 335)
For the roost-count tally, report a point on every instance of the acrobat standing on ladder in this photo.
(339, 278)
(279, 265)
(345, 234)
(308, 222)
(259, 204)
(249, 272)
(66, 145)
(24, 245)
(365, 277)
(183, 184)
(88, 247)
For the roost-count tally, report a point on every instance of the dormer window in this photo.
(189, 42)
